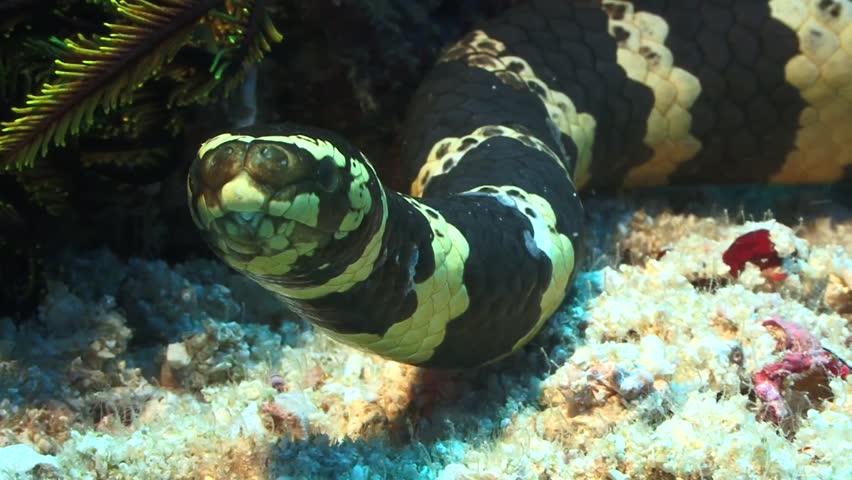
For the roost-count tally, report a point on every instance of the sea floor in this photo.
(706, 338)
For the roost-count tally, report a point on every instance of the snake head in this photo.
(283, 204)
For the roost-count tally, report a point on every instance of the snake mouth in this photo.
(247, 223)
(252, 233)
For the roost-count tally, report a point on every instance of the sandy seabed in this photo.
(139, 369)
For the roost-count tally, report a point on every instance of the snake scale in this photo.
(550, 97)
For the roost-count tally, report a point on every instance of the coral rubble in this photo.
(670, 363)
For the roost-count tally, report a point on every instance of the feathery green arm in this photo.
(99, 72)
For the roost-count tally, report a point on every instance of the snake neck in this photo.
(339, 266)
(435, 270)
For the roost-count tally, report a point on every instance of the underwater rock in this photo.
(20, 459)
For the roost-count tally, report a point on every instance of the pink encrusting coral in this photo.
(804, 356)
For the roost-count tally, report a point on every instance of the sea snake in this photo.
(550, 97)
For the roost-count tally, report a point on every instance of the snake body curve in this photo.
(552, 96)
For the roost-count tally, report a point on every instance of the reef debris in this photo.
(755, 247)
(806, 362)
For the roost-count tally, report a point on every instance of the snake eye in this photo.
(327, 175)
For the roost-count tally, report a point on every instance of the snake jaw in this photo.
(248, 222)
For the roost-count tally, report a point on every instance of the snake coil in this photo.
(550, 97)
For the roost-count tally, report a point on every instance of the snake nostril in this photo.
(220, 165)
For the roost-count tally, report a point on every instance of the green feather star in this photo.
(103, 72)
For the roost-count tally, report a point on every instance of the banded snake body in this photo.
(548, 98)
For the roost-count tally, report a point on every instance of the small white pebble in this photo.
(177, 356)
